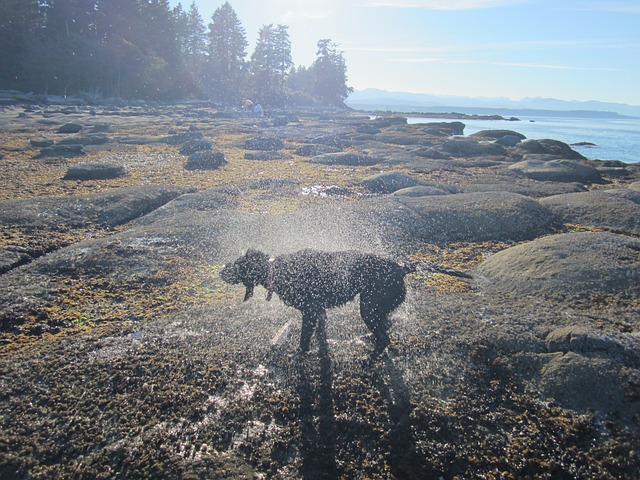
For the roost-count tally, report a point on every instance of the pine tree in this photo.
(20, 22)
(191, 35)
(300, 85)
(227, 50)
(330, 74)
(270, 65)
(64, 56)
(145, 49)
(196, 46)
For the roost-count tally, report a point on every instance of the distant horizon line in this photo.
(482, 98)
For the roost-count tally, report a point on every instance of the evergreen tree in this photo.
(64, 56)
(196, 45)
(145, 49)
(227, 50)
(330, 74)
(300, 84)
(20, 23)
(270, 65)
(162, 60)
(121, 57)
(191, 35)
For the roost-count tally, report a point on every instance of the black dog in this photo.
(313, 281)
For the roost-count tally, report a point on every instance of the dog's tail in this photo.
(431, 268)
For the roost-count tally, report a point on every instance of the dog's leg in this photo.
(382, 335)
(377, 321)
(309, 321)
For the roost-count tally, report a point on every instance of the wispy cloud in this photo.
(593, 43)
(605, 7)
(555, 67)
(290, 15)
(443, 4)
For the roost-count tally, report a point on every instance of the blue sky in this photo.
(565, 49)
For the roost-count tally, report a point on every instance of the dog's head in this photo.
(250, 270)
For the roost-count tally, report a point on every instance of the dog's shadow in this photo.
(318, 423)
(404, 460)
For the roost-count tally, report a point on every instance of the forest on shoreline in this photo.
(144, 49)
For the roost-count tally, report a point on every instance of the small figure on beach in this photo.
(247, 105)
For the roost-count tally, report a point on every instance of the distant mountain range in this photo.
(374, 99)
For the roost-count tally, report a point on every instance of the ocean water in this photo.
(614, 139)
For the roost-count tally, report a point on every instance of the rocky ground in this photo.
(123, 355)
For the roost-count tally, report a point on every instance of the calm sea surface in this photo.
(614, 139)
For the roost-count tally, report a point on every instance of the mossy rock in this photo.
(264, 143)
(94, 172)
(569, 264)
(389, 182)
(205, 160)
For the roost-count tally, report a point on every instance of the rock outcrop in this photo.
(568, 264)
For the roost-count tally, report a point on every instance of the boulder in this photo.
(545, 168)
(85, 141)
(64, 151)
(522, 186)
(70, 128)
(567, 264)
(420, 191)
(583, 383)
(205, 160)
(193, 146)
(264, 143)
(94, 172)
(550, 147)
(389, 182)
(444, 128)
(508, 141)
(41, 143)
(108, 209)
(579, 339)
(577, 376)
(617, 210)
(496, 135)
(471, 217)
(471, 148)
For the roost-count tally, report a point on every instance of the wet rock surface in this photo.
(123, 354)
(617, 210)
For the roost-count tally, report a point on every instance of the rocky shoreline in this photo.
(123, 354)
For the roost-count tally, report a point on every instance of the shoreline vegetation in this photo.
(123, 353)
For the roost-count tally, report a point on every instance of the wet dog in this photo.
(313, 281)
